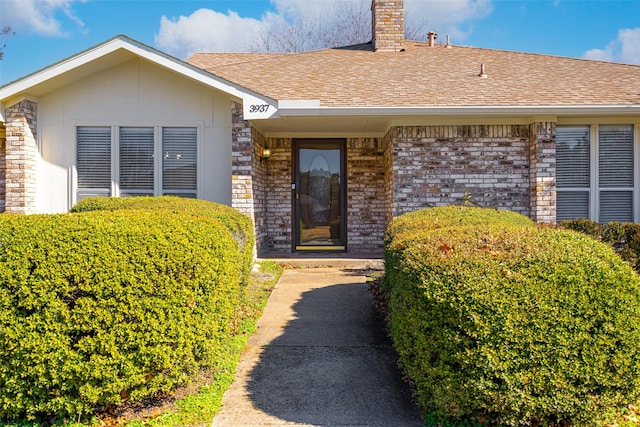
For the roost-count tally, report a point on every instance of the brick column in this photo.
(3, 176)
(542, 155)
(249, 175)
(21, 158)
(241, 158)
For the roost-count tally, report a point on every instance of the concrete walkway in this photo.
(320, 357)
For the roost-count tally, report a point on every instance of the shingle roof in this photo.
(424, 76)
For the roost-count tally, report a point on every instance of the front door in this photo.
(319, 195)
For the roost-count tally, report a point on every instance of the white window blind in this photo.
(615, 146)
(136, 161)
(573, 169)
(93, 161)
(179, 161)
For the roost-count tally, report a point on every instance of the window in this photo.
(179, 162)
(145, 161)
(136, 161)
(616, 173)
(595, 172)
(93, 161)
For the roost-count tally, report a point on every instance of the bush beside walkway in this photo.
(111, 306)
(498, 321)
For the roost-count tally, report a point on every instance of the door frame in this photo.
(299, 143)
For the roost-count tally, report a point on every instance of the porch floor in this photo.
(373, 261)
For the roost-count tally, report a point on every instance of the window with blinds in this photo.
(615, 175)
(614, 169)
(138, 171)
(93, 161)
(136, 161)
(573, 175)
(179, 161)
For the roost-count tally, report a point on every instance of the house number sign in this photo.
(257, 108)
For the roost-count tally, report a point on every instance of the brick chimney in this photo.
(387, 25)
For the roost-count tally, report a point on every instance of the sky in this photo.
(44, 32)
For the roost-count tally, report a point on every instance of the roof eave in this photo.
(20, 87)
(461, 110)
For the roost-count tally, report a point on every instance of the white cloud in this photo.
(38, 16)
(451, 17)
(442, 16)
(206, 30)
(625, 48)
(210, 30)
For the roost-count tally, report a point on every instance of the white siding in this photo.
(136, 93)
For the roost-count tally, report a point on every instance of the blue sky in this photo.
(47, 31)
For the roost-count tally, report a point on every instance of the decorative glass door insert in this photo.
(319, 195)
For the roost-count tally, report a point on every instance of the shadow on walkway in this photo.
(330, 363)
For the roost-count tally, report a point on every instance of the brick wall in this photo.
(259, 190)
(408, 169)
(543, 172)
(439, 165)
(387, 25)
(3, 179)
(278, 205)
(248, 172)
(389, 198)
(21, 158)
(366, 215)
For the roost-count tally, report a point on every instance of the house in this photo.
(323, 148)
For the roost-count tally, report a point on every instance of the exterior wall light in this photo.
(265, 153)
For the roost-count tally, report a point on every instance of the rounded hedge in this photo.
(624, 237)
(104, 307)
(240, 225)
(453, 216)
(517, 325)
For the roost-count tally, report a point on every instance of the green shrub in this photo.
(512, 324)
(240, 225)
(454, 216)
(624, 237)
(104, 307)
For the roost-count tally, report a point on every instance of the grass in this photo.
(200, 408)
(196, 404)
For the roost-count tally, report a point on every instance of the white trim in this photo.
(594, 172)
(460, 110)
(157, 160)
(20, 88)
(115, 154)
(636, 169)
(115, 160)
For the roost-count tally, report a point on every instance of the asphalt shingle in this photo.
(424, 76)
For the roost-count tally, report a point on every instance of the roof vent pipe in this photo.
(448, 45)
(432, 38)
(482, 74)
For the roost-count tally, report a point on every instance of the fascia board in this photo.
(143, 51)
(460, 110)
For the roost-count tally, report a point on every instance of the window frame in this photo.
(115, 190)
(594, 189)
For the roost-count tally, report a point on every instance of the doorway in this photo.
(319, 195)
